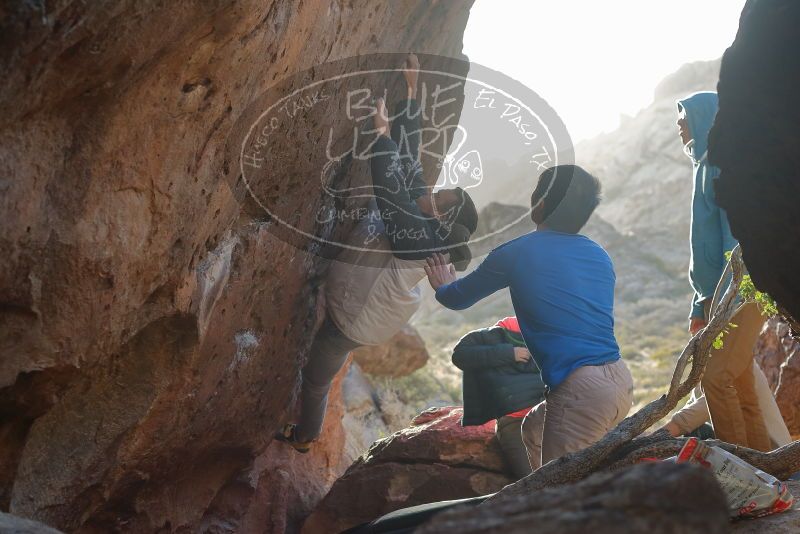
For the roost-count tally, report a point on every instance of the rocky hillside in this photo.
(152, 327)
(646, 176)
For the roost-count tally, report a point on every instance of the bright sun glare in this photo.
(594, 61)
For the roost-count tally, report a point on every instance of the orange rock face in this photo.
(281, 487)
(152, 327)
(400, 356)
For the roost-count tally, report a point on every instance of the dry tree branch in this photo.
(577, 465)
(780, 463)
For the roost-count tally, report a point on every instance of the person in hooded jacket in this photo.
(371, 289)
(728, 381)
(502, 382)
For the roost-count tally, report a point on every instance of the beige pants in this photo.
(729, 386)
(695, 412)
(581, 410)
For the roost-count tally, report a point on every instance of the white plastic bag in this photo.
(750, 491)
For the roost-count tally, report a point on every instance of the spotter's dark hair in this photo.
(570, 200)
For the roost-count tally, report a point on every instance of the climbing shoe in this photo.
(287, 435)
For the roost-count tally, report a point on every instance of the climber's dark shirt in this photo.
(397, 181)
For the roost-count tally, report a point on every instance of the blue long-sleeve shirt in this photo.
(562, 288)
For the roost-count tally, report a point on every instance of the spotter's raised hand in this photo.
(411, 74)
(440, 271)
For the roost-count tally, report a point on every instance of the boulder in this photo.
(434, 459)
(359, 395)
(152, 323)
(788, 393)
(436, 436)
(400, 356)
(770, 349)
(364, 421)
(658, 498)
(778, 354)
(282, 486)
(754, 143)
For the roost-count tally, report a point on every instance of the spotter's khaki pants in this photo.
(729, 386)
(581, 410)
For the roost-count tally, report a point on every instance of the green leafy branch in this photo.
(717, 343)
(749, 293)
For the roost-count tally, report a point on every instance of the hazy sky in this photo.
(594, 60)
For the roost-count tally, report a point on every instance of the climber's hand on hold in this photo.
(382, 118)
(411, 74)
(440, 271)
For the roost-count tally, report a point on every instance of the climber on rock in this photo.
(728, 381)
(372, 287)
(562, 289)
(500, 382)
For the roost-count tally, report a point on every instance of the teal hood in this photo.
(710, 233)
(701, 109)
